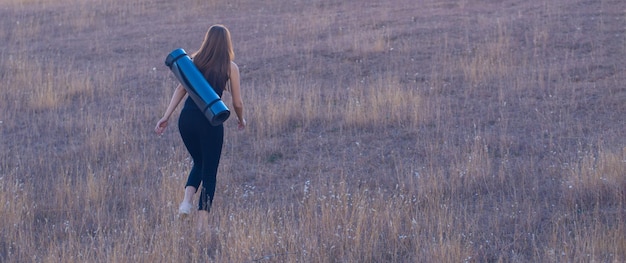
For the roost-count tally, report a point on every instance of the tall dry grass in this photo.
(442, 131)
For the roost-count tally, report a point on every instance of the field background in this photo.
(379, 131)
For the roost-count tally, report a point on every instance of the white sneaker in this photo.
(184, 209)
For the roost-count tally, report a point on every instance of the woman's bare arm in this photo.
(235, 91)
(178, 95)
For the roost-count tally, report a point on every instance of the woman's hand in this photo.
(241, 124)
(161, 125)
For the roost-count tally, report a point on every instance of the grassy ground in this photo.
(399, 131)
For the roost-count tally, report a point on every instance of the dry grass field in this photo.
(379, 131)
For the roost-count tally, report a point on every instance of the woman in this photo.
(202, 140)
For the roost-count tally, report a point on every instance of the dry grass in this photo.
(436, 131)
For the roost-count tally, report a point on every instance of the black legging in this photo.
(204, 143)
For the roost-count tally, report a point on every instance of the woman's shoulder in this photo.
(234, 69)
(233, 65)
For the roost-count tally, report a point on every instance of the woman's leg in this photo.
(212, 151)
(203, 222)
(189, 192)
(192, 136)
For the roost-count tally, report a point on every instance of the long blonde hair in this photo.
(214, 56)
